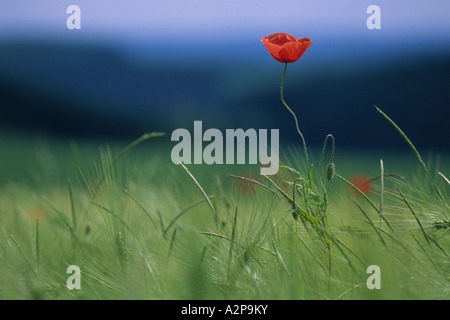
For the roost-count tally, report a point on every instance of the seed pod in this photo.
(331, 169)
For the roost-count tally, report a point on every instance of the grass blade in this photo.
(183, 212)
(115, 216)
(425, 234)
(141, 206)
(377, 230)
(445, 178)
(204, 195)
(240, 245)
(23, 253)
(125, 151)
(403, 136)
(255, 182)
(172, 241)
(366, 198)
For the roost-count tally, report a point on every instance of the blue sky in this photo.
(417, 25)
(209, 18)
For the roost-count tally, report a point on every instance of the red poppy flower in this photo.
(362, 183)
(286, 48)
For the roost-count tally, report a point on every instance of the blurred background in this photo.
(142, 65)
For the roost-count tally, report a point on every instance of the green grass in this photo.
(142, 228)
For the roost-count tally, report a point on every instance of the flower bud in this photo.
(331, 169)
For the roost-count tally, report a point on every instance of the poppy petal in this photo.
(286, 48)
(274, 50)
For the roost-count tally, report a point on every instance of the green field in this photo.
(142, 228)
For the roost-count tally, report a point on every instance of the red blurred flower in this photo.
(286, 48)
(362, 183)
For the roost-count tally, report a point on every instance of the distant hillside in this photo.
(415, 93)
(94, 91)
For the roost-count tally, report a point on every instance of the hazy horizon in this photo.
(137, 26)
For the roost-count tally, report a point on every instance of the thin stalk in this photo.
(295, 117)
(329, 264)
(393, 175)
(232, 241)
(382, 193)
(72, 205)
(37, 243)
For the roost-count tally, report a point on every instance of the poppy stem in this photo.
(295, 118)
